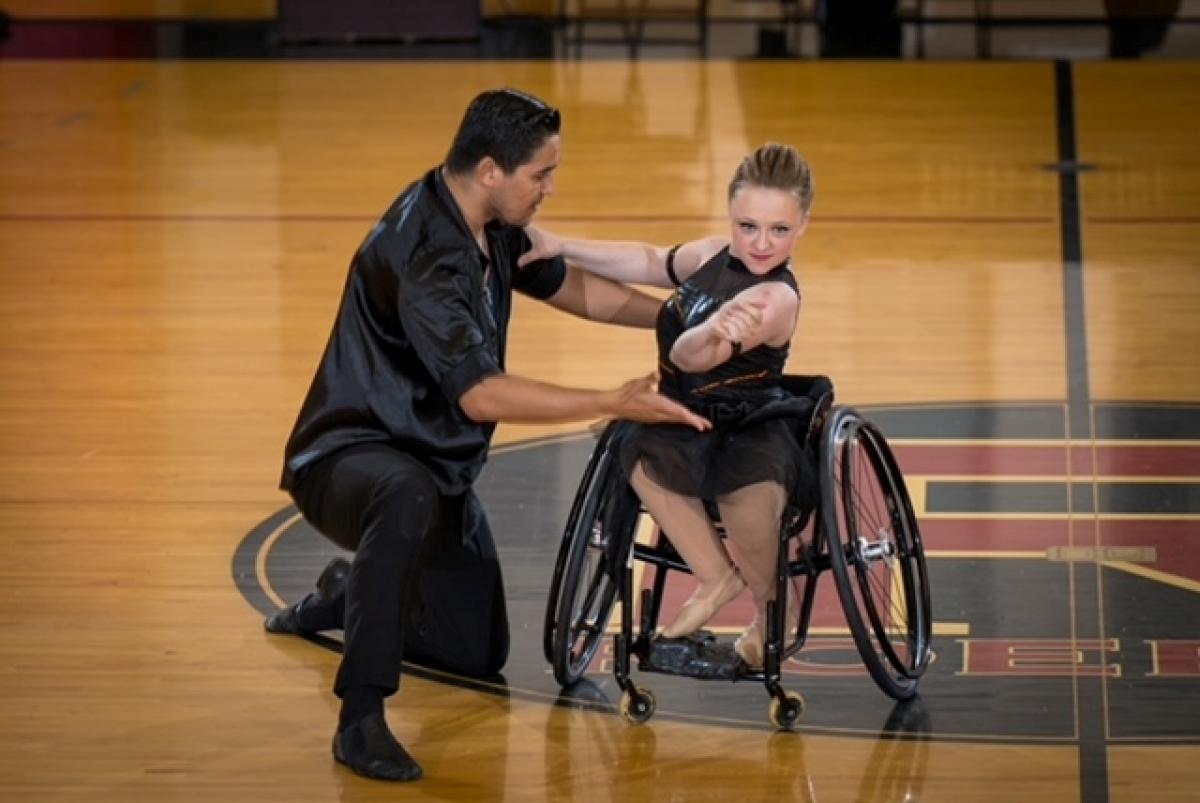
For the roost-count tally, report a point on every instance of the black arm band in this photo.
(671, 265)
(541, 279)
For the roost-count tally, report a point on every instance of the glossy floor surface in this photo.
(1001, 269)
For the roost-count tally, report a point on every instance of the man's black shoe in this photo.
(370, 749)
(285, 621)
(316, 611)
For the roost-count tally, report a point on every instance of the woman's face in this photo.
(764, 226)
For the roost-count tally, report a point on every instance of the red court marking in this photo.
(1177, 543)
(987, 535)
(981, 460)
(1138, 461)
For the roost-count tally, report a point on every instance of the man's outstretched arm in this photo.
(516, 399)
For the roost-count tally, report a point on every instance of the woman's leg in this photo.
(684, 521)
(752, 516)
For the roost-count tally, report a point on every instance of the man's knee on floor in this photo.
(472, 654)
(483, 660)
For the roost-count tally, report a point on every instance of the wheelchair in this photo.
(863, 528)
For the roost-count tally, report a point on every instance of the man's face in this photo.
(517, 195)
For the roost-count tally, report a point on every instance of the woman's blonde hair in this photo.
(776, 166)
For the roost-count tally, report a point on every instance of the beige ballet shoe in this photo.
(751, 645)
(696, 612)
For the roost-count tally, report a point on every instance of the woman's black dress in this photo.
(710, 464)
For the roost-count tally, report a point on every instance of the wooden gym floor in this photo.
(1002, 267)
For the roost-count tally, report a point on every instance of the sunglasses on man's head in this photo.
(540, 114)
(547, 116)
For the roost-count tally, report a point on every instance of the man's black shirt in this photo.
(415, 330)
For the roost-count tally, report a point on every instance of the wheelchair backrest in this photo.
(819, 388)
(809, 399)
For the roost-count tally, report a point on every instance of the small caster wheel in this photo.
(637, 705)
(785, 714)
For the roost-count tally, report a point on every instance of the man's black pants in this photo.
(425, 583)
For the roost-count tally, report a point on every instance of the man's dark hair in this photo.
(505, 124)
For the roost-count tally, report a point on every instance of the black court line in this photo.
(1078, 390)
(1141, 420)
(1085, 577)
(245, 575)
(979, 421)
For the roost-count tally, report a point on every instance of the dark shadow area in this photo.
(1138, 27)
(861, 29)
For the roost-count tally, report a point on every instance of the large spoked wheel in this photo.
(876, 552)
(599, 455)
(604, 515)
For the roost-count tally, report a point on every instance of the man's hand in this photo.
(637, 400)
(506, 397)
(544, 245)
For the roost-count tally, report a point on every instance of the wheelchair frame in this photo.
(596, 561)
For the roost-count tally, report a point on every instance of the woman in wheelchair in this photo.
(723, 340)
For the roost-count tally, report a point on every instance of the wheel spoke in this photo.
(875, 552)
(873, 531)
(587, 592)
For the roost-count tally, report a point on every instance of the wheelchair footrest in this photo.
(698, 656)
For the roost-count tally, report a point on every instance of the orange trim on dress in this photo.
(733, 380)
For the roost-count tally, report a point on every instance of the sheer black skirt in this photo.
(727, 457)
